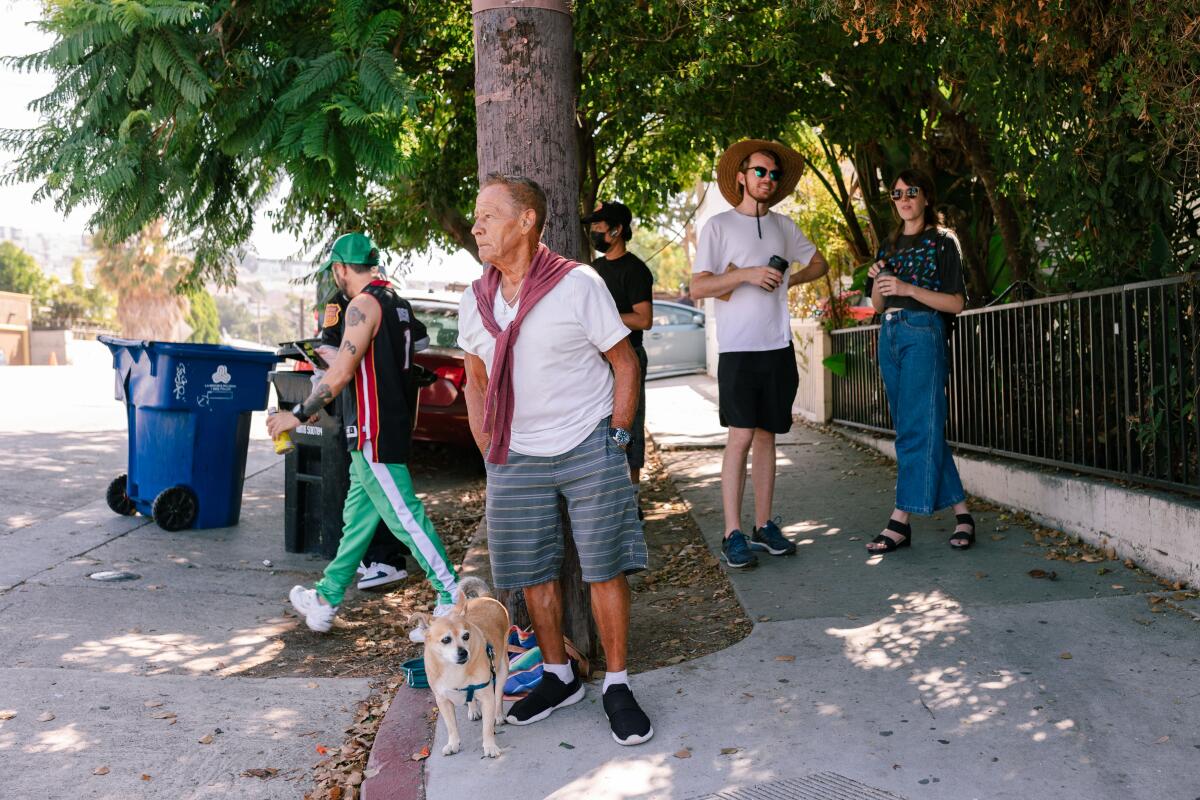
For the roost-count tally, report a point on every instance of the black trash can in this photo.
(316, 472)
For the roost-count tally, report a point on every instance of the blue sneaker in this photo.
(771, 539)
(737, 551)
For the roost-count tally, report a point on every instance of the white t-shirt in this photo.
(562, 383)
(752, 319)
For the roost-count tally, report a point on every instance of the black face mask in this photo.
(599, 242)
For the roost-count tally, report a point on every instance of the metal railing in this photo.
(1105, 382)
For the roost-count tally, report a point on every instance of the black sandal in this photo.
(890, 544)
(969, 537)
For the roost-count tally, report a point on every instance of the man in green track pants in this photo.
(371, 372)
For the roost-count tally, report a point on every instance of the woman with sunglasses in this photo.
(917, 285)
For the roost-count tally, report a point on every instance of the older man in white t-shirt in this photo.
(745, 259)
(551, 392)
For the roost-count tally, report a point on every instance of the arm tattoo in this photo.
(319, 398)
(354, 317)
(349, 345)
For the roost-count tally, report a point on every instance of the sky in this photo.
(18, 209)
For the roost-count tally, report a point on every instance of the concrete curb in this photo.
(405, 728)
(404, 731)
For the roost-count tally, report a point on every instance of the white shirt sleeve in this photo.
(595, 309)
(470, 326)
(800, 249)
(708, 250)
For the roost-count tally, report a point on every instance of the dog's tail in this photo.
(472, 587)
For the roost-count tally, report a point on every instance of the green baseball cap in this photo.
(353, 248)
(349, 248)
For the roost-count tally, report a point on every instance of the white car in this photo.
(675, 343)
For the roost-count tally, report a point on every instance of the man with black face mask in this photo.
(630, 283)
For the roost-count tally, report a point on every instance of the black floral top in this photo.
(931, 260)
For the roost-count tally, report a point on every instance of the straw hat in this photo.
(790, 162)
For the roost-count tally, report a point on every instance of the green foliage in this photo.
(75, 304)
(202, 317)
(20, 273)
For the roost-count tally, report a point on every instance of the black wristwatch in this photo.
(297, 412)
(621, 437)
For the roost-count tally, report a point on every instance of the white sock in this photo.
(611, 678)
(560, 671)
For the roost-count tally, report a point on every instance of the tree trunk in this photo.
(974, 148)
(525, 91)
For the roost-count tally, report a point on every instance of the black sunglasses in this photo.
(763, 172)
(911, 191)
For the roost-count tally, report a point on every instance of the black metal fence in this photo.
(1104, 382)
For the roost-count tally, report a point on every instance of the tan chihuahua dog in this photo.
(466, 662)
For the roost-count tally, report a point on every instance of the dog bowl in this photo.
(414, 673)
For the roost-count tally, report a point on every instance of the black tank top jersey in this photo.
(377, 405)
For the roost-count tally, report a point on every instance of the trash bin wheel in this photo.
(175, 509)
(117, 498)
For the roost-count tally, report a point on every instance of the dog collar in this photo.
(474, 687)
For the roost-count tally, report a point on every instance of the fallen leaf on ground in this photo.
(310, 686)
(335, 793)
(260, 772)
(145, 777)
(785, 658)
(728, 751)
(322, 749)
(1155, 599)
(764, 619)
(1162, 740)
(371, 772)
(163, 715)
(1065, 656)
(206, 739)
(46, 717)
(100, 771)
(7, 714)
(1117, 586)
(1103, 571)
(566, 746)
(1041, 573)
(421, 756)
(980, 575)
(152, 703)
(683, 753)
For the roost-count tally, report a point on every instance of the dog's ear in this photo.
(418, 619)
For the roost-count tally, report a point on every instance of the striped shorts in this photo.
(525, 537)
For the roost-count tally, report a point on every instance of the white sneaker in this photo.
(376, 574)
(316, 612)
(417, 634)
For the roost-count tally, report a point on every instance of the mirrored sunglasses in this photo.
(763, 172)
(911, 191)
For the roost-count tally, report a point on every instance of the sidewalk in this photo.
(134, 689)
(926, 674)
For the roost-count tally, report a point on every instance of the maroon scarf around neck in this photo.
(546, 270)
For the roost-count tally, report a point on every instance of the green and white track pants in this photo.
(385, 491)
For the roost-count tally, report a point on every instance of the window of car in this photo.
(441, 322)
(666, 315)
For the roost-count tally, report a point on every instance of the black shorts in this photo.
(757, 389)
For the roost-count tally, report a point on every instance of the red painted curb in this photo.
(405, 730)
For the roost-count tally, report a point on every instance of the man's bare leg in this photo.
(545, 605)
(733, 476)
(762, 475)
(610, 607)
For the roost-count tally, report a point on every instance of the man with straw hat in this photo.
(745, 259)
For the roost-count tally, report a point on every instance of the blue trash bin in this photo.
(188, 407)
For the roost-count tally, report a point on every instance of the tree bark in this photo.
(974, 148)
(525, 93)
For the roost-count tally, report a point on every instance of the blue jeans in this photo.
(913, 359)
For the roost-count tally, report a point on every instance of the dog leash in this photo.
(474, 687)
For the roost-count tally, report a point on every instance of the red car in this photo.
(442, 412)
(858, 307)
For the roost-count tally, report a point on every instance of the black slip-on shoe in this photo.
(629, 723)
(549, 694)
